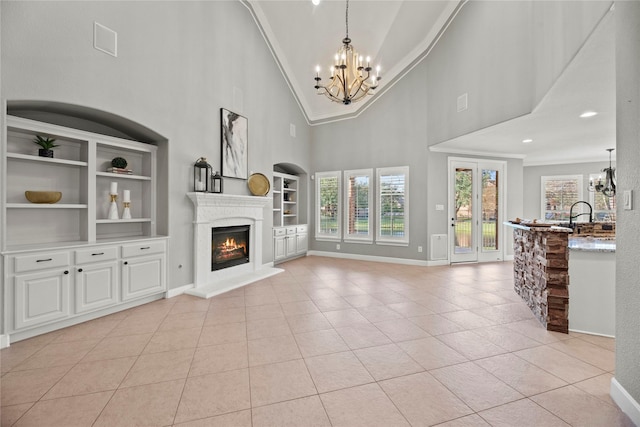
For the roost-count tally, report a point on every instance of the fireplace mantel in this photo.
(221, 210)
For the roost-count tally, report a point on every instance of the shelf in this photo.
(277, 210)
(31, 158)
(120, 221)
(276, 192)
(45, 206)
(289, 189)
(289, 202)
(289, 215)
(123, 176)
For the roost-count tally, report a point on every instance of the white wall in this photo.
(177, 64)
(628, 224)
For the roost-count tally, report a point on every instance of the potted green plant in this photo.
(47, 145)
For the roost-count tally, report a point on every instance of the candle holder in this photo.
(113, 207)
(126, 212)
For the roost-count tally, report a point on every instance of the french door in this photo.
(476, 206)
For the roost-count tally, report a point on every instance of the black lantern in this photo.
(201, 175)
(216, 183)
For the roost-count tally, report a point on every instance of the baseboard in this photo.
(508, 258)
(369, 258)
(591, 333)
(4, 341)
(437, 263)
(178, 291)
(625, 401)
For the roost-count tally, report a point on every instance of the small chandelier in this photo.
(608, 187)
(350, 80)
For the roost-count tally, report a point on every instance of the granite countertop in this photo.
(592, 244)
(538, 227)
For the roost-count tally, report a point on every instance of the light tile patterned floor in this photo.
(327, 342)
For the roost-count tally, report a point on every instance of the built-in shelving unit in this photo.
(285, 199)
(66, 262)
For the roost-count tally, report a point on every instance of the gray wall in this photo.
(628, 224)
(506, 56)
(532, 189)
(177, 64)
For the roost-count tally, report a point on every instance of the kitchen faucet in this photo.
(572, 217)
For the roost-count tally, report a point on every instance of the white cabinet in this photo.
(41, 297)
(285, 199)
(142, 275)
(289, 242)
(96, 286)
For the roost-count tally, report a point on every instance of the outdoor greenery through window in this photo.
(393, 205)
(358, 201)
(328, 187)
(558, 194)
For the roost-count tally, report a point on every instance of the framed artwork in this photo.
(235, 144)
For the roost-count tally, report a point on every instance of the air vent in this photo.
(105, 39)
(462, 102)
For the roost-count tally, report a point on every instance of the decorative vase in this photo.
(43, 152)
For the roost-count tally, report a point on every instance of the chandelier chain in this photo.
(347, 19)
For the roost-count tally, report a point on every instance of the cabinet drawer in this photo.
(291, 230)
(142, 249)
(108, 253)
(41, 262)
(301, 228)
(279, 232)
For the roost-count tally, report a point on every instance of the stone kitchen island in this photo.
(545, 256)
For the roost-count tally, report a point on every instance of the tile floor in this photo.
(329, 342)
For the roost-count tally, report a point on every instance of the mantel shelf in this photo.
(118, 221)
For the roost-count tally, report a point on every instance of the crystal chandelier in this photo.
(608, 188)
(351, 80)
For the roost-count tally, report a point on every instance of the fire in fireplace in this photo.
(229, 246)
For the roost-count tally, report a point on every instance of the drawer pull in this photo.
(126, 263)
(79, 270)
(44, 260)
(66, 272)
(96, 254)
(146, 247)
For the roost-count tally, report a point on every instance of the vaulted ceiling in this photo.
(399, 33)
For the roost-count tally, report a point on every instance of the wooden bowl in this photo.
(43, 196)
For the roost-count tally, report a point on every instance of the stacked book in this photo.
(120, 171)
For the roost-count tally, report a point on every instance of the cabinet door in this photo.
(41, 297)
(96, 286)
(301, 243)
(142, 276)
(279, 251)
(291, 246)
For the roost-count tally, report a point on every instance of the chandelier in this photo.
(351, 80)
(608, 187)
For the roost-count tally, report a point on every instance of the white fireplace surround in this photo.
(227, 210)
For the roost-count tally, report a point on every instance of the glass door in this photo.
(476, 201)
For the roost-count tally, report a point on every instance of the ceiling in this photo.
(302, 36)
(399, 33)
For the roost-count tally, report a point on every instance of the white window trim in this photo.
(368, 239)
(393, 241)
(323, 236)
(543, 202)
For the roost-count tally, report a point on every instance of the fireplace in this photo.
(229, 246)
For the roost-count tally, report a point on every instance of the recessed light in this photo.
(588, 114)
(527, 141)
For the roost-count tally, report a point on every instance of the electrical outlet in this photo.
(627, 197)
(338, 246)
(419, 248)
(439, 207)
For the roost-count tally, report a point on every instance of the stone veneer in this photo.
(541, 274)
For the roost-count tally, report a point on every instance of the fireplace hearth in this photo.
(229, 246)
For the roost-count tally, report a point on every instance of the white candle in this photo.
(114, 188)
(126, 196)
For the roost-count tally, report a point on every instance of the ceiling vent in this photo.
(105, 39)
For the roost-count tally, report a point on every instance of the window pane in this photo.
(329, 205)
(392, 200)
(358, 205)
(490, 209)
(559, 195)
(463, 242)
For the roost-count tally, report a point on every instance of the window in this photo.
(393, 206)
(328, 187)
(358, 202)
(558, 194)
(604, 208)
